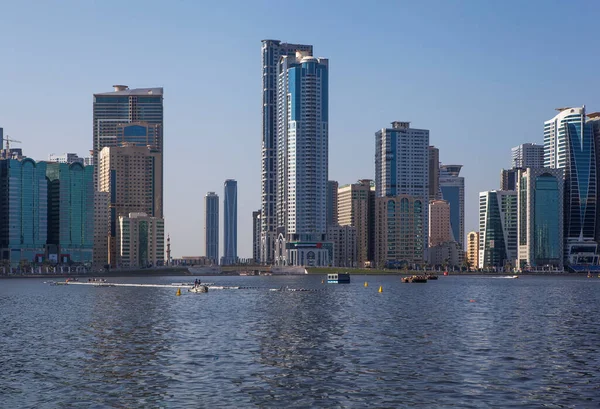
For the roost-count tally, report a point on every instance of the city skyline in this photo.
(445, 79)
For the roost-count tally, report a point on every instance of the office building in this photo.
(402, 168)
(332, 203)
(70, 212)
(271, 53)
(569, 145)
(128, 174)
(528, 155)
(211, 226)
(344, 242)
(508, 179)
(102, 228)
(256, 223)
(439, 222)
(497, 229)
(230, 223)
(398, 231)
(23, 210)
(540, 219)
(66, 158)
(302, 160)
(434, 173)
(452, 186)
(141, 241)
(114, 112)
(446, 255)
(356, 208)
(473, 249)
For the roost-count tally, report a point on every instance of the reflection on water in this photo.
(460, 341)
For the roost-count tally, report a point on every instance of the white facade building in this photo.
(528, 155)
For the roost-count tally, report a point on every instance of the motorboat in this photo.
(199, 289)
(338, 278)
(414, 279)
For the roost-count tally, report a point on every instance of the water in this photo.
(465, 342)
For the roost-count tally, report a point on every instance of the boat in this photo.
(199, 289)
(445, 273)
(338, 278)
(431, 276)
(414, 279)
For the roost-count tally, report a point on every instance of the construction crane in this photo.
(8, 140)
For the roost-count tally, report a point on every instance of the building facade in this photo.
(332, 203)
(452, 186)
(211, 226)
(128, 174)
(24, 211)
(102, 228)
(66, 158)
(434, 173)
(271, 53)
(528, 155)
(497, 229)
(70, 212)
(302, 160)
(256, 223)
(540, 219)
(402, 168)
(508, 179)
(343, 239)
(569, 145)
(473, 249)
(356, 208)
(230, 222)
(398, 231)
(141, 241)
(439, 223)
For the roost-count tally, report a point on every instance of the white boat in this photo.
(199, 289)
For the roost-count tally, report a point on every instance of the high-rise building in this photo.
(569, 145)
(355, 208)
(211, 226)
(271, 53)
(473, 249)
(439, 222)
(256, 236)
(344, 245)
(66, 158)
(398, 223)
(508, 179)
(23, 211)
(332, 203)
(593, 119)
(497, 228)
(434, 173)
(101, 228)
(453, 191)
(528, 155)
(230, 222)
(70, 212)
(142, 241)
(402, 168)
(132, 116)
(128, 174)
(302, 160)
(540, 219)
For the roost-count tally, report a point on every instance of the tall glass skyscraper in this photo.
(70, 212)
(302, 160)
(453, 191)
(497, 228)
(271, 53)
(402, 168)
(230, 222)
(211, 226)
(24, 210)
(569, 145)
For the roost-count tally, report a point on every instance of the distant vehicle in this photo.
(338, 278)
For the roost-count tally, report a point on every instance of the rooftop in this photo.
(124, 90)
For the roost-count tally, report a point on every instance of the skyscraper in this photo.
(528, 155)
(473, 249)
(569, 145)
(497, 228)
(256, 236)
(540, 218)
(402, 168)
(302, 160)
(112, 111)
(211, 226)
(453, 191)
(439, 222)
(434, 173)
(508, 179)
(271, 53)
(355, 208)
(230, 222)
(332, 203)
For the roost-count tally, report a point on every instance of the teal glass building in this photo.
(70, 212)
(24, 211)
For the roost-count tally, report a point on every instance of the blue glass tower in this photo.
(230, 222)
(211, 226)
(452, 187)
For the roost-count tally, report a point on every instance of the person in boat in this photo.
(195, 283)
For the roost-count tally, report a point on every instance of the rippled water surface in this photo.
(464, 342)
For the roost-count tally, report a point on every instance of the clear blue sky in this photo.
(482, 76)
